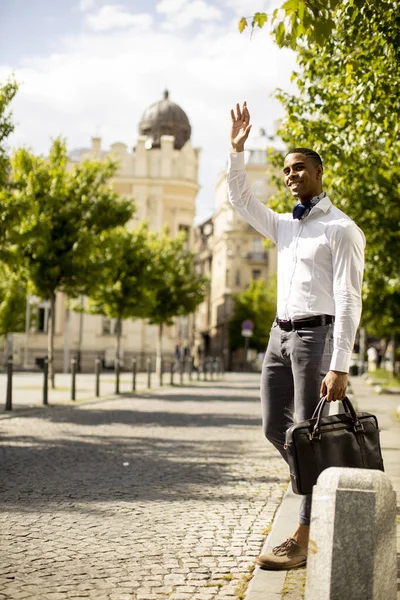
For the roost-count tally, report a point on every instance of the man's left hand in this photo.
(334, 386)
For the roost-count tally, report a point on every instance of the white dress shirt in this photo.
(320, 260)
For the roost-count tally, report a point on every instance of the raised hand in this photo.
(240, 127)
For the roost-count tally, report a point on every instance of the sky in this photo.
(91, 67)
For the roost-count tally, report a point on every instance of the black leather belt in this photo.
(316, 321)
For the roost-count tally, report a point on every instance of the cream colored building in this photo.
(161, 174)
(237, 251)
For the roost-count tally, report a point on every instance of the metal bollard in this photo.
(205, 369)
(198, 371)
(148, 373)
(211, 363)
(171, 367)
(9, 383)
(73, 374)
(134, 368)
(46, 381)
(97, 369)
(190, 363)
(181, 369)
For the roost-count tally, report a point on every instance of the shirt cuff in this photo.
(340, 361)
(236, 161)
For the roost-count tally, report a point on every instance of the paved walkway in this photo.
(168, 495)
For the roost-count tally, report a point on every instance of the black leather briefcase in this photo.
(347, 439)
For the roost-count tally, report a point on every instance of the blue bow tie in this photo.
(300, 209)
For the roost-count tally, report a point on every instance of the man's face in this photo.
(303, 176)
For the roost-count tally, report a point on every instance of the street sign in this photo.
(247, 332)
(247, 328)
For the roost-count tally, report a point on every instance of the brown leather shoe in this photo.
(288, 555)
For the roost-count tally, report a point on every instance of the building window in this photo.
(42, 320)
(257, 245)
(43, 317)
(256, 274)
(109, 326)
(237, 279)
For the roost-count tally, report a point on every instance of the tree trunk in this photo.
(363, 349)
(80, 338)
(50, 340)
(66, 340)
(118, 334)
(159, 350)
(393, 366)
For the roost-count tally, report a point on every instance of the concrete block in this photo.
(352, 551)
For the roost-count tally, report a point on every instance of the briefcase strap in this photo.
(361, 442)
(349, 408)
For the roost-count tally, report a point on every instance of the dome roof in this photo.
(165, 118)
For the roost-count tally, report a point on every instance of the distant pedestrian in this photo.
(320, 268)
(373, 358)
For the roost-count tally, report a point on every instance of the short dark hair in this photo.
(306, 152)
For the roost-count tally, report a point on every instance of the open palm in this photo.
(240, 127)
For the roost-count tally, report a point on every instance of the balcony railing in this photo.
(257, 256)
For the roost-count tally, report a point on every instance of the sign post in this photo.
(247, 332)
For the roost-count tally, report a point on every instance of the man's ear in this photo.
(320, 170)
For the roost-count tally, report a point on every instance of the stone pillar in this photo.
(352, 550)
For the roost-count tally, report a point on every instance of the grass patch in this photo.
(267, 529)
(294, 586)
(385, 378)
(243, 583)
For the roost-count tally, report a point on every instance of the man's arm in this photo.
(347, 245)
(241, 196)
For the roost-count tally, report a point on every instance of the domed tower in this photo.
(165, 118)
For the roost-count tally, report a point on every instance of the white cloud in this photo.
(116, 16)
(103, 81)
(183, 13)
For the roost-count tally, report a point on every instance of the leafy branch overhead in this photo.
(299, 21)
(347, 108)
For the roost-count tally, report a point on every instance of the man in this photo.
(320, 268)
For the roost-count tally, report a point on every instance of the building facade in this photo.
(161, 174)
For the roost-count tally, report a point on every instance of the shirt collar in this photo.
(324, 203)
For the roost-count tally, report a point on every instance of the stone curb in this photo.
(268, 585)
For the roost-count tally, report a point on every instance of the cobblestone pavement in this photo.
(146, 497)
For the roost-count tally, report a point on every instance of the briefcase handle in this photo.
(318, 414)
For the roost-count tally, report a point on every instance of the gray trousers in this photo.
(294, 366)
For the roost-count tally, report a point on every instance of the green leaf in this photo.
(242, 24)
(259, 19)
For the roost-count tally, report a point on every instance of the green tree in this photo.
(62, 213)
(7, 94)
(13, 294)
(347, 108)
(178, 288)
(125, 277)
(258, 304)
